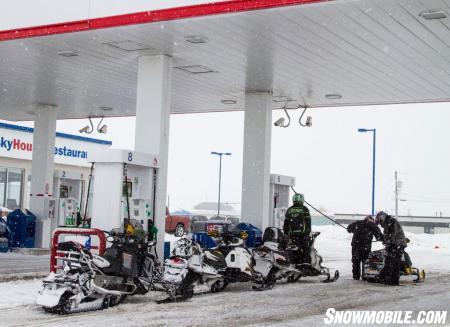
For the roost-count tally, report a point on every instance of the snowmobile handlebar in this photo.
(122, 239)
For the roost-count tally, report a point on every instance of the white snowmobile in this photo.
(274, 259)
(193, 265)
(92, 282)
(229, 262)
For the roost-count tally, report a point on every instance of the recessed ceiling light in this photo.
(196, 69)
(196, 39)
(68, 54)
(45, 105)
(434, 15)
(129, 46)
(281, 98)
(228, 101)
(105, 108)
(333, 96)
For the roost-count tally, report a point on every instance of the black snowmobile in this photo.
(92, 282)
(375, 263)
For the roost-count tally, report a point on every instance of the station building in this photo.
(72, 169)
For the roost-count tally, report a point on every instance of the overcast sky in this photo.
(331, 161)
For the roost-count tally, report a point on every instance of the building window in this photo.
(3, 182)
(11, 186)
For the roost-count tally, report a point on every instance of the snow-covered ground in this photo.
(15, 266)
(302, 303)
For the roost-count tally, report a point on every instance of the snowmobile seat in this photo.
(114, 256)
(100, 262)
(215, 258)
(69, 246)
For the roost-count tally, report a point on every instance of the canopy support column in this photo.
(42, 172)
(256, 159)
(152, 126)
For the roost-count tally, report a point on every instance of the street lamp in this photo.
(220, 154)
(364, 130)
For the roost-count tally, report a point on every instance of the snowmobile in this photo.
(276, 259)
(375, 263)
(193, 265)
(92, 282)
(229, 262)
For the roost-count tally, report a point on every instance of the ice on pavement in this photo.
(286, 304)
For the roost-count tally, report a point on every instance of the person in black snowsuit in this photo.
(297, 226)
(395, 242)
(363, 233)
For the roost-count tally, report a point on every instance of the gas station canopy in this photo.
(314, 53)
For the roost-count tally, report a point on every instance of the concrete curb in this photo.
(22, 276)
(31, 251)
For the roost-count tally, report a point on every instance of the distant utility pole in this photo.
(396, 195)
(398, 186)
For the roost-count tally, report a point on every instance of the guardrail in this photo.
(77, 232)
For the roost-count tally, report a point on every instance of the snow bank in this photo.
(18, 293)
(430, 252)
(427, 251)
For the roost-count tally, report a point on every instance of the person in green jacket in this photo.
(297, 226)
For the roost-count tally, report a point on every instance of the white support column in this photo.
(256, 161)
(42, 171)
(152, 126)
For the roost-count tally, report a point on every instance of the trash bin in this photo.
(204, 240)
(4, 236)
(166, 250)
(23, 228)
(254, 234)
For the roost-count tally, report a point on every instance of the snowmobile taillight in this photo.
(177, 260)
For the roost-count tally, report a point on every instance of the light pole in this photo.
(220, 154)
(364, 130)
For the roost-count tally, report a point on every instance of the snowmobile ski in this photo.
(331, 280)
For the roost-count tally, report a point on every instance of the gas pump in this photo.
(280, 188)
(67, 190)
(123, 188)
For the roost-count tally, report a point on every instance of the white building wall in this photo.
(441, 230)
(413, 229)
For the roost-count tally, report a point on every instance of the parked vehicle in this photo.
(375, 264)
(177, 224)
(233, 220)
(217, 218)
(229, 262)
(274, 259)
(191, 264)
(198, 223)
(92, 282)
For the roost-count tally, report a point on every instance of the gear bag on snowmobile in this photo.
(274, 234)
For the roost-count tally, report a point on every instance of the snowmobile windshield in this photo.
(134, 229)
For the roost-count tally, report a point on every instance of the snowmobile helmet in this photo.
(381, 216)
(298, 198)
